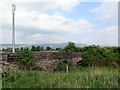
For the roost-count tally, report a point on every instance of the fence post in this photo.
(66, 68)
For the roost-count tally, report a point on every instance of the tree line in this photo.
(32, 48)
(93, 54)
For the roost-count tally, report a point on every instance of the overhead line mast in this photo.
(13, 29)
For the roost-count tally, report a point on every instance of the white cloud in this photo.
(55, 22)
(42, 21)
(106, 11)
(45, 38)
(6, 36)
(63, 24)
(107, 36)
(66, 5)
(49, 23)
(80, 30)
(41, 5)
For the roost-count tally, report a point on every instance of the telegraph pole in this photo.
(13, 29)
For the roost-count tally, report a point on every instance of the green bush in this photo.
(94, 54)
(62, 66)
(9, 77)
(26, 60)
(71, 48)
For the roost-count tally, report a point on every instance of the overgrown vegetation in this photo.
(92, 55)
(85, 77)
(71, 48)
(26, 60)
(96, 55)
(64, 66)
(95, 52)
(76, 77)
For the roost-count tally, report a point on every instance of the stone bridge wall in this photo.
(45, 59)
(11, 57)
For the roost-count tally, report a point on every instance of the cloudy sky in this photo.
(58, 21)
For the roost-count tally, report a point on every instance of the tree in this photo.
(3, 49)
(48, 48)
(26, 60)
(38, 48)
(33, 48)
(9, 50)
(42, 48)
(21, 49)
(26, 48)
(16, 49)
(58, 49)
(71, 47)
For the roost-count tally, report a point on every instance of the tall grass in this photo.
(87, 77)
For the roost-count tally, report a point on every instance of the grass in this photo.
(85, 77)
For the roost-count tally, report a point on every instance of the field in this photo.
(84, 77)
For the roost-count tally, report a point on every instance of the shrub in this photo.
(62, 66)
(26, 60)
(71, 48)
(9, 77)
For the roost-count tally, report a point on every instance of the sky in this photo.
(59, 21)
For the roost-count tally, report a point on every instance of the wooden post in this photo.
(66, 68)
